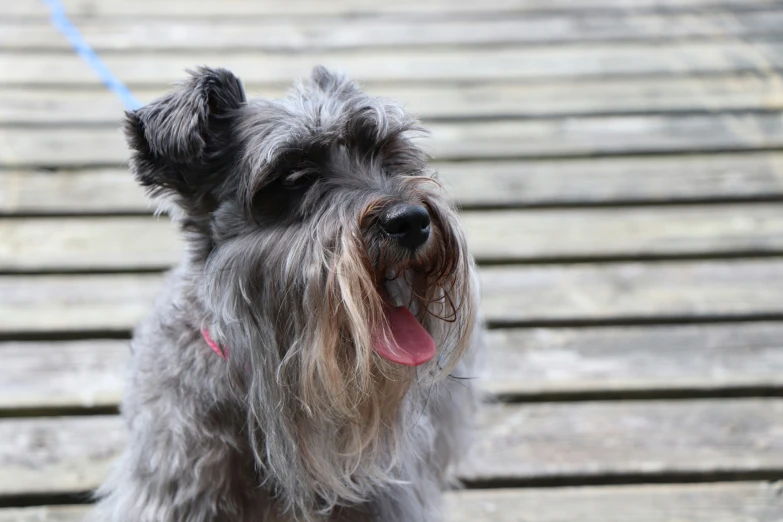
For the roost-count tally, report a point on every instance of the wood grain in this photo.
(497, 184)
(66, 374)
(132, 243)
(522, 363)
(110, 190)
(464, 100)
(662, 291)
(326, 33)
(631, 291)
(99, 302)
(531, 362)
(233, 8)
(517, 442)
(726, 502)
(737, 502)
(410, 66)
(525, 139)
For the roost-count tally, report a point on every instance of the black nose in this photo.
(408, 224)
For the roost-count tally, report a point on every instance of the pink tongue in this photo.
(406, 342)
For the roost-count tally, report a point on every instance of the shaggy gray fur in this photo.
(288, 269)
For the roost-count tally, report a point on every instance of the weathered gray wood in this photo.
(486, 99)
(507, 63)
(632, 291)
(607, 180)
(34, 244)
(516, 442)
(548, 440)
(44, 514)
(87, 191)
(617, 291)
(455, 141)
(526, 363)
(88, 243)
(535, 361)
(57, 455)
(99, 302)
(724, 502)
(325, 33)
(233, 8)
(729, 502)
(62, 374)
(497, 183)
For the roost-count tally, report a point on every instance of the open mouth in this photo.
(401, 338)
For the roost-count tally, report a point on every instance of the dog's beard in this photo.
(326, 413)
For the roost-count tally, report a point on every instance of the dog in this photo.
(311, 358)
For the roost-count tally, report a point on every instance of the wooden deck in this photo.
(620, 168)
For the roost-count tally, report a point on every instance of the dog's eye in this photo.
(299, 180)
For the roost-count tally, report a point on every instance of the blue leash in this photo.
(60, 20)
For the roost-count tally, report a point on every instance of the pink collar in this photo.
(222, 352)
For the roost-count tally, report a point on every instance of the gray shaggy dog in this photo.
(309, 358)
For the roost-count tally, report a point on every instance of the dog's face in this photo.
(327, 257)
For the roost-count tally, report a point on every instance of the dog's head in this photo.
(328, 259)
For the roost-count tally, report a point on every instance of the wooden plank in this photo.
(114, 243)
(727, 502)
(646, 438)
(87, 191)
(593, 136)
(465, 100)
(99, 302)
(540, 361)
(528, 363)
(417, 65)
(65, 374)
(663, 291)
(722, 502)
(89, 244)
(517, 442)
(44, 514)
(233, 8)
(325, 34)
(631, 291)
(661, 179)
(610, 180)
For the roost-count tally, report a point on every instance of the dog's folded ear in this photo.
(175, 136)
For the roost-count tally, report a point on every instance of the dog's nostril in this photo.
(408, 224)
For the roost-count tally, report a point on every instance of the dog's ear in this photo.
(175, 137)
(335, 83)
